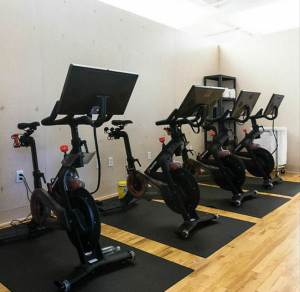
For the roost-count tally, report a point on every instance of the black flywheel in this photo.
(261, 163)
(187, 190)
(85, 219)
(234, 169)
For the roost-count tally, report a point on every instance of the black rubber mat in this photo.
(32, 265)
(286, 188)
(218, 198)
(156, 221)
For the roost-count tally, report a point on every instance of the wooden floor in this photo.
(264, 258)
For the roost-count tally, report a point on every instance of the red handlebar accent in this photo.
(162, 139)
(64, 148)
(16, 139)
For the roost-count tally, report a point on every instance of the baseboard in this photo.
(105, 197)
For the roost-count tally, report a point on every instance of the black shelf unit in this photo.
(221, 80)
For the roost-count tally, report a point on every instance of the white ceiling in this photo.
(218, 20)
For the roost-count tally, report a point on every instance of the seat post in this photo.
(37, 174)
(130, 158)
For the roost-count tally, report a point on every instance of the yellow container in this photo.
(122, 188)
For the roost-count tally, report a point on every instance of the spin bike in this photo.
(66, 203)
(177, 187)
(227, 170)
(259, 161)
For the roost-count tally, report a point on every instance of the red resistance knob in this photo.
(212, 133)
(162, 139)
(16, 139)
(64, 148)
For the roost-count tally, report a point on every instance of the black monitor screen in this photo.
(199, 96)
(274, 102)
(245, 99)
(84, 85)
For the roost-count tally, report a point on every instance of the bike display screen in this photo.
(84, 85)
(246, 99)
(199, 96)
(274, 102)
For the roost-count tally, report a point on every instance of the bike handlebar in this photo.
(181, 121)
(225, 117)
(170, 119)
(162, 123)
(274, 114)
(260, 115)
(69, 119)
(221, 117)
(173, 119)
(246, 117)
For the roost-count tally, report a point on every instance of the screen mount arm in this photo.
(101, 110)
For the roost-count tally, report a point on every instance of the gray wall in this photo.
(39, 39)
(270, 64)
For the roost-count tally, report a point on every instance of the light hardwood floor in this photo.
(264, 258)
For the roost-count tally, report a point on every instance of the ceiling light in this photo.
(273, 17)
(177, 14)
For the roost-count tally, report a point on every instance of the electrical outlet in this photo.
(110, 162)
(149, 155)
(19, 175)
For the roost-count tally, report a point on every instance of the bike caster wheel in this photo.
(63, 286)
(269, 186)
(184, 234)
(132, 257)
(237, 203)
(216, 217)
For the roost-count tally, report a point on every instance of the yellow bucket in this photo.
(122, 188)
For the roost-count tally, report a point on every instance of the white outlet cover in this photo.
(110, 161)
(18, 174)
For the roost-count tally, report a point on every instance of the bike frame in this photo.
(163, 160)
(57, 188)
(247, 141)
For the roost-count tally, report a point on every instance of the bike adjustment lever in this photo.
(191, 151)
(43, 178)
(85, 146)
(138, 162)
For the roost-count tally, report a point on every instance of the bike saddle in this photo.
(121, 122)
(31, 126)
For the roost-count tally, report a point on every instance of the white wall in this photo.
(39, 39)
(270, 64)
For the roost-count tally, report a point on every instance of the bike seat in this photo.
(121, 122)
(32, 126)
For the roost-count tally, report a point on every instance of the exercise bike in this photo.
(259, 161)
(177, 187)
(66, 203)
(227, 170)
